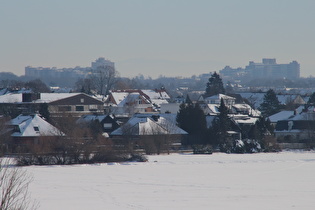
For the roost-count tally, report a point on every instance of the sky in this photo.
(156, 38)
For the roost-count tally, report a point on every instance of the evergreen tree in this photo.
(271, 104)
(220, 127)
(43, 110)
(214, 85)
(311, 100)
(191, 118)
(260, 129)
(188, 100)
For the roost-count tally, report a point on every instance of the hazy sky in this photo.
(156, 37)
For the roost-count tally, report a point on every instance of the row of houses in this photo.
(77, 104)
(117, 111)
(137, 113)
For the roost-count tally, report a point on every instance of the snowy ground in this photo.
(283, 180)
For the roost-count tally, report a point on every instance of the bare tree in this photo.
(104, 77)
(85, 85)
(14, 183)
(5, 135)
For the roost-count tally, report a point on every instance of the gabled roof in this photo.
(283, 115)
(258, 98)
(213, 108)
(32, 126)
(156, 94)
(90, 118)
(44, 97)
(156, 97)
(244, 119)
(148, 126)
(219, 96)
(119, 96)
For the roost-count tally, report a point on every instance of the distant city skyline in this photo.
(153, 38)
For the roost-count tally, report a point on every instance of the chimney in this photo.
(29, 97)
(155, 117)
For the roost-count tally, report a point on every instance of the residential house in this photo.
(128, 102)
(297, 128)
(155, 129)
(58, 104)
(108, 123)
(216, 99)
(29, 130)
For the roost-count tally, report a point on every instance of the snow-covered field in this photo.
(283, 180)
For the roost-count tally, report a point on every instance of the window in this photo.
(82, 100)
(17, 129)
(108, 125)
(36, 128)
(79, 108)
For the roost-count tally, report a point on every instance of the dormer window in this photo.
(16, 128)
(36, 128)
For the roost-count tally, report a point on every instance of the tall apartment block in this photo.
(267, 69)
(45, 73)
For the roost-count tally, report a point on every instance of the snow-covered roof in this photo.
(132, 98)
(303, 116)
(90, 118)
(246, 120)
(148, 126)
(152, 94)
(258, 98)
(283, 115)
(33, 125)
(246, 107)
(44, 97)
(219, 96)
(213, 108)
(50, 97)
(242, 106)
(119, 96)
(11, 98)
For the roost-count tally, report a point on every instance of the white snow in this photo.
(182, 181)
(44, 97)
(28, 123)
(283, 115)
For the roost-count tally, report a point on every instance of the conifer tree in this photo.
(214, 85)
(191, 118)
(220, 127)
(271, 104)
(311, 100)
(260, 129)
(188, 100)
(43, 110)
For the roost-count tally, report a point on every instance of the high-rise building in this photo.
(267, 69)
(45, 73)
(102, 62)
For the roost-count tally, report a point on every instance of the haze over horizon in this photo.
(171, 38)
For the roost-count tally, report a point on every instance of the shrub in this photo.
(246, 146)
(239, 146)
(137, 158)
(202, 149)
